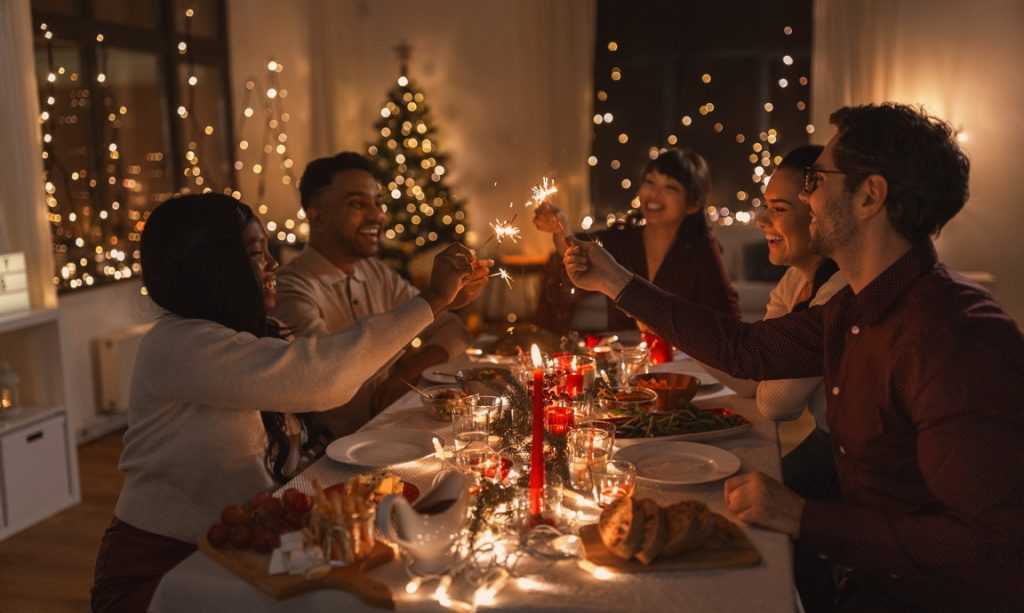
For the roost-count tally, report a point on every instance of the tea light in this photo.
(612, 480)
(558, 419)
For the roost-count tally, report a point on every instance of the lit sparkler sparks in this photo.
(507, 278)
(542, 192)
(505, 229)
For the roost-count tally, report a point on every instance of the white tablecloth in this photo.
(199, 584)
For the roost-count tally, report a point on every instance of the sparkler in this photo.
(505, 229)
(542, 192)
(507, 278)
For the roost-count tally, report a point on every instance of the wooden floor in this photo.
(48, 567)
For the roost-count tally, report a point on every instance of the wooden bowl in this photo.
(673, 389)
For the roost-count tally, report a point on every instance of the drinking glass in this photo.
(470, 422)
(585, 446)
(633, 361)
(612, 480)
(601, 424)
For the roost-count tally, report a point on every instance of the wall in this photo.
(962, 62)
(87, 315)
(509, 85)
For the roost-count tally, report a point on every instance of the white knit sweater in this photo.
(195, 442)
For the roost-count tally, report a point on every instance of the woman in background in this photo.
(811, 279)
(673, 248)
(196, 440)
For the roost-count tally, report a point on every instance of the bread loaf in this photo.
(689, 526)
(621, 526)
(655, 531)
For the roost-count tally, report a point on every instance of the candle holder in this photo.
(558, 419)
(550, 511)
(481, 460)
(612, 480)
(8, 391)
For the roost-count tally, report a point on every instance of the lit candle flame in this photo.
(538, 361)
(543, 191)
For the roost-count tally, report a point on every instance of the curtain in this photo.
(23, 225)
(509, 84)
(961, 61)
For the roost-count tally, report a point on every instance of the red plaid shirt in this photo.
(925, 379)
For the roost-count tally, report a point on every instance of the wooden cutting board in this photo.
(252, 567)
(739, 552)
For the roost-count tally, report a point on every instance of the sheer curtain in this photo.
(23, 225)
(961, 61)
(509, 85)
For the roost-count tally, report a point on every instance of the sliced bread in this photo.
(690, 525)
(621, 526)
(655, 531)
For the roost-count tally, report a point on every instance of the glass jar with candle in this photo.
(612, 480)
(8, 390)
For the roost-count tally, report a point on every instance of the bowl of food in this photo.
(673, 389)
(442, 400)
(626, 400)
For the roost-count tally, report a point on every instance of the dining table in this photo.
(201, 584)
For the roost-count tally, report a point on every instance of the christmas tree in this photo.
(421, 209)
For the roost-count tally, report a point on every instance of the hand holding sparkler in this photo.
(475, 284)
(549, 218)
(590, 267)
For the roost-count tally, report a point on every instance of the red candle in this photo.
(537, 445)
(558, 419)
(661, 350)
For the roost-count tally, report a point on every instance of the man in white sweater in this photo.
(337, 280)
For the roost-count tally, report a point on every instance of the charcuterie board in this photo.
(252, 567)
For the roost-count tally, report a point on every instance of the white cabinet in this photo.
(38, 457)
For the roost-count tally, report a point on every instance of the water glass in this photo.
(585, 446)
(470, 423)
(612, 480)
(601, 424)
(633, 361)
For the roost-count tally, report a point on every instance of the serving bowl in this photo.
(673, 389)
(627, 400)
(441, 400)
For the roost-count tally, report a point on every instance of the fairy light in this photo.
(267, 153)
(762, 161)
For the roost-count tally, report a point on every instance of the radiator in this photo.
(114, 359)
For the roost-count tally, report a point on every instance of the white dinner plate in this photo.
(476, 353)
(383, 447)
(445, 373)
(678, 462)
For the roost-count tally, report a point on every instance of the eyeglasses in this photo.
(811, 177)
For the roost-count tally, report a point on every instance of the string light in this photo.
(762, 160)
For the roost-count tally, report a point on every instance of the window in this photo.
(728, 80)
(134, 106)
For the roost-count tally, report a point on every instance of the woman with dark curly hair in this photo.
(197, 440)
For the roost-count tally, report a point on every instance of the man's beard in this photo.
(834, 228)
